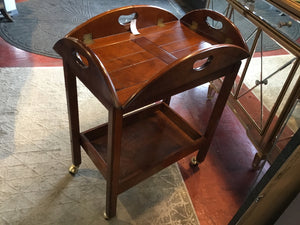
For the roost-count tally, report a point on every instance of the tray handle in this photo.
(110, 23)
(214, 26)
(198, 68)
(80, 60)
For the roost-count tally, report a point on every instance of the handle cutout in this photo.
(201, 64)
(80, 60)
(126, 19)
(215, 24)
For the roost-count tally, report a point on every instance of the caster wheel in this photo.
(73, 169)
(194, 162)
(105, 216)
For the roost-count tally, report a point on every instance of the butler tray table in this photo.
(133, 59)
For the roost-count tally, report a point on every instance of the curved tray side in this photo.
(214, 26)
(107, 23)
(184, 73)
(80, 60)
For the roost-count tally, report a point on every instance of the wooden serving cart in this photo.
(133, 68)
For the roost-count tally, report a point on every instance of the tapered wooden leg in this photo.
(201, 153)
(217, 112)
(72, 103)
(113, 160)
(211, 91)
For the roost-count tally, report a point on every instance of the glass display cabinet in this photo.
(268, 85)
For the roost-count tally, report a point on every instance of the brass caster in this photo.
(105, 216)
(194, 162)
(73, 169)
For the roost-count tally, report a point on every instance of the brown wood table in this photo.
(133, 68)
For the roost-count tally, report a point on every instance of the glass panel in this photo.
(271, 64)
(296, 76)
(263, 82)
(264, 11)
(294, 120)
(274, 17)
(290, 127)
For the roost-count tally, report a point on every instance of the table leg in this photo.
(72, 103)
(211, 91)
(115, 121)
(217, 113)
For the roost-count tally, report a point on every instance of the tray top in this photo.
(126, 56)
(153, 56)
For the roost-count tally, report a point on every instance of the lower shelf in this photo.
(152, 139)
